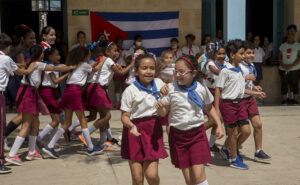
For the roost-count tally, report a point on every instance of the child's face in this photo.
(119, 43)
(50, 37)
(256, 41)
(29, 40)
(146, 71)
(266, 41)
(168, 59)
(55, 57)
(184, 75)
(81, 38)
(174, 45)
(220, 55)
(113, 52)
(238, 57)
(189, 41)
(249, 56)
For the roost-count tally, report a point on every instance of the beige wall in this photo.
(189, 14)
(297, 16)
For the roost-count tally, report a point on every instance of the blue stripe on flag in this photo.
(157, 51)
(154, 34)
(153, 16)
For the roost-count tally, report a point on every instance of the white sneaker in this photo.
(6, 147)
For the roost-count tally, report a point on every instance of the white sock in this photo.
(87, 138)
(74, 125)
(31, 144)
(92, 129)
(103, 137)
(62, 117)
(203, 183)
(44, 132)
(16, 146)
(258, 151)
(58, 134)
(118, 95)
(212, 140)
(109, 135)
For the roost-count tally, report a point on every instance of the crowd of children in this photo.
(177, 90)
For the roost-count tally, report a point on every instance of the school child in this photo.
(259, 59)
(249, 104)
(217, 53)
(49, 91)
(97, 95)
(142, 136)
(81, 40)
(28, 95)
(137, 42)
(175, 48)
(190, 48)
(7, 67)
(186, 102)
(71, 100)
(230, 87)
(47, 37)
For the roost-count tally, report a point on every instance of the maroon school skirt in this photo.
(249, 106)
(232, 112)
(72, 98)
(189, 147)
(50, 97)
(97, 96)
(29, 101)
(147, 146)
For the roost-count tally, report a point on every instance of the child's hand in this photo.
(164, 90)
(257, 88)
(260, 95)
(250, 77)
(119, 67)
(219, 132)
(134, 131)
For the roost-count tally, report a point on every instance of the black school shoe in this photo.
(261, 156)
(4, 169)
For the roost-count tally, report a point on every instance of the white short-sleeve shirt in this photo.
(193, 51)
(248, 84)
(177, 54)
(131, 76)
(47, 82)
(232, 83)
(138, 102)
(79, 75)
(259, 55)
(210, 75)
(185, 114)
(7, 68)
(104, 75)
(35, 77)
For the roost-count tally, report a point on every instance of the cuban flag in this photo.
(156, 28)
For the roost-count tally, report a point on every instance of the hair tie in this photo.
(109, 44)
(188, 62)
(24, 27)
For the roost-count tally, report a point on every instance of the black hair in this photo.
(138, 36)
(101, 34)
(118, 38)
(80, 32)
(35, 53)
(141, 57)
(97, 51)
(22, 30)
(48, 52)
(205, 36)
(233, 46)
(174, 40)
(140, 48)
(45, 31)
(291, 27)
(77, 55)
(5, 41)
(248, 45)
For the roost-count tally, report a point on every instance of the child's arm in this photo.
(217, 100)
(122, 71)
(59, 79)
(98, 65)
(162, 109)
(250, 77)
(125, 118)
(59, 68)
(257, 87)
(215, 70)
(258, 94)
(22, 71)
(213, 114)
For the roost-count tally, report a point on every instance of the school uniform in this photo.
(232, 85)
(72, 97)
(258, 60)
(121, 61)
(45, 45)
(177, 53)
(28, 98)
(141, 106)
(49, 92)
(187, 139)
(98, 81)
(249, 103)
(190, 50)
(7, 68)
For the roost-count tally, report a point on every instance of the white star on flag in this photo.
(106, 34)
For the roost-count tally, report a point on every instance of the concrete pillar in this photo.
(234, 19)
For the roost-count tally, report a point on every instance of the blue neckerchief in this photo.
(236, 69)
(141, 87)
(193, 95)
(252, 70)
(223, 66)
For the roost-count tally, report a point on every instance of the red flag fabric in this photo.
(100, 25)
